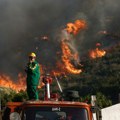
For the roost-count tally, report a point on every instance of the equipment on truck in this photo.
(47, 80)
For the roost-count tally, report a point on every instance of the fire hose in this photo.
(58, 83)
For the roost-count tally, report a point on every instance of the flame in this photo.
(76, 26)
(66, 58)
(6, 81)
(97, 53)
(69, 51)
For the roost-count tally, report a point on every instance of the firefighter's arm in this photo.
(41, 83)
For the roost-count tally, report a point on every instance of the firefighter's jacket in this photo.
(33, 74)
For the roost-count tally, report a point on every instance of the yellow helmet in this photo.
(32, 54)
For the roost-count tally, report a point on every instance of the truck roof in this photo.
(37, 103)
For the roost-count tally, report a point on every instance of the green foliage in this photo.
(20, 96)
(9, 95)
(102, 100)
(6, 95)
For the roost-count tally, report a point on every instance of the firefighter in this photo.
(33, 76)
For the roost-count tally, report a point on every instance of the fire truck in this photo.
(51, 108)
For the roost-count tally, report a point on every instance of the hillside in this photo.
(99, 75)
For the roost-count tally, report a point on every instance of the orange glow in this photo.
(59, 72)
(6, 81)
(76, 26)
(98, 44)
(103, 32)
(97, 53)
(66, 58)
(56, 73)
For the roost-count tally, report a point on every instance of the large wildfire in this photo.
(69, 56)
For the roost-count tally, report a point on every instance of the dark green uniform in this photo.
(33, 76)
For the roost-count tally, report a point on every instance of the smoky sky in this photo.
(23, 23)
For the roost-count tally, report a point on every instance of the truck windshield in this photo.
(55, 113)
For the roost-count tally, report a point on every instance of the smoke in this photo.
(24, 22)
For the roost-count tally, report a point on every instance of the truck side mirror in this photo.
(15, 116)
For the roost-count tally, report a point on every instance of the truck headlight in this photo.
(15, 116)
